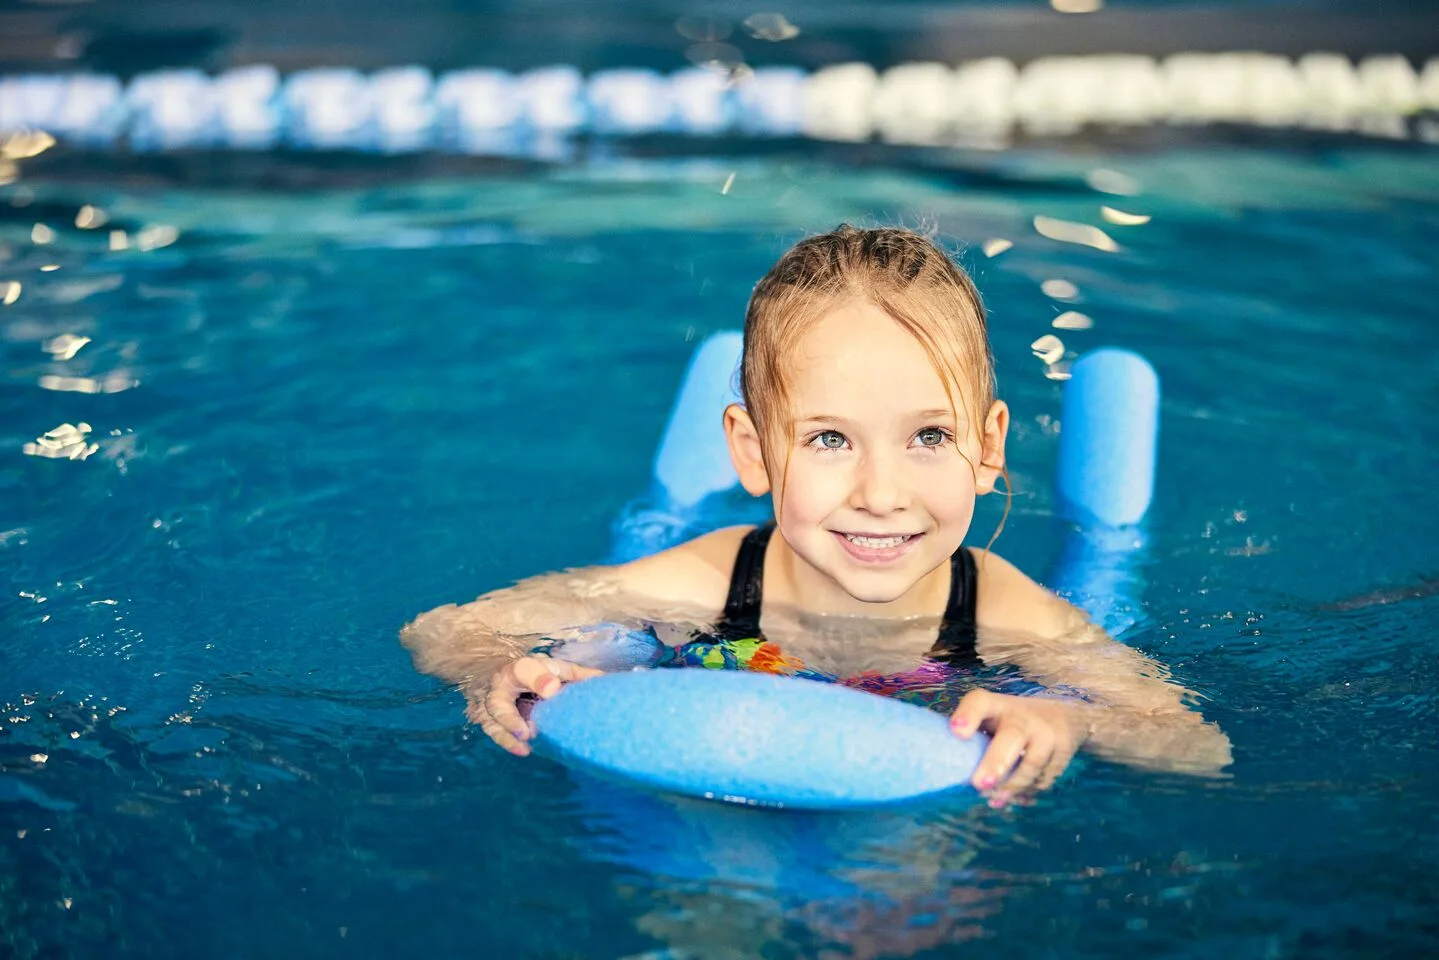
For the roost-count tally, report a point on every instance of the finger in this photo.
(503, 737)
(1046, 779)
(1037, 753)
(571, 672)
(477, 713)
(1058, 763)
(501, 706)
(997, 761)
(977, 707)
(536, 675)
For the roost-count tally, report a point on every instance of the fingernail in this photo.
(549, 687)
(986, 783)
(997, 801)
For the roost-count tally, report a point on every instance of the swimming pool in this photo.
(302, 416)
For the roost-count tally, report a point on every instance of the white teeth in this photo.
(874, 543)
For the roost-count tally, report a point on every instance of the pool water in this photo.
(316, 413)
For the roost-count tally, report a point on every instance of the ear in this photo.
(745, 451)
(991, 455)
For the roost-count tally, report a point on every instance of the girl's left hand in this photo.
(1032, 740)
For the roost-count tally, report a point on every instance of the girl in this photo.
(869, 418)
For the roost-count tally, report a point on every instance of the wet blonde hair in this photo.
(902, 272)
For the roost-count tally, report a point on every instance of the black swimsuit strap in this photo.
(956, 643)
(746, 586)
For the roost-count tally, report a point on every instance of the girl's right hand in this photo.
(495, 709)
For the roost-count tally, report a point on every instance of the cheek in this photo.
(948, 491)
(812, 490)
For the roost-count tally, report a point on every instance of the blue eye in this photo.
(932, 437)
(828, 440)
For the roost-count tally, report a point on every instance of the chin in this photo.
(876, 590)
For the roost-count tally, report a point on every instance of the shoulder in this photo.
(695, 573)
(1008, 599)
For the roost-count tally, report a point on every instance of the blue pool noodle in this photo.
(693, 460)
(1108, 440)
(1108, 434)
(783, 741)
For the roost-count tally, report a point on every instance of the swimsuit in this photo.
(736, 642)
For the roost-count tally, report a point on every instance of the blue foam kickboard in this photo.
(755, 738)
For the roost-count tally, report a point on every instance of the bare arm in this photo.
(1135, 713)
(462, 643)
(678, 588)
(482, 646)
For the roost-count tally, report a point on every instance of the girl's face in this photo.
(881, 479)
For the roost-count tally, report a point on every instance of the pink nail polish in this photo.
(986, 783)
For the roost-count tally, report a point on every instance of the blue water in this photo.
(332, 410)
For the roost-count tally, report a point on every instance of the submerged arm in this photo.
(482, 646)
(677, 589)
(460, 643)
(1133, 711)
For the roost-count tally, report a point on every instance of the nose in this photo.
(879, 486)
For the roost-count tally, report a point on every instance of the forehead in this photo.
(858, 358)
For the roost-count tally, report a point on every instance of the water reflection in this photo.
(1059, 289)
(91, 217)
(1072, 320)
(1123, 219)
(770, 26)
(1066, 231)
(1112, 181)
(65, 346)
(69, 441)
(720, 880)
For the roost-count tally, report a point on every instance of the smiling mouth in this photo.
(871, 542)
(874, 548)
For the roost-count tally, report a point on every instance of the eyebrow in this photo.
(933, 414)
